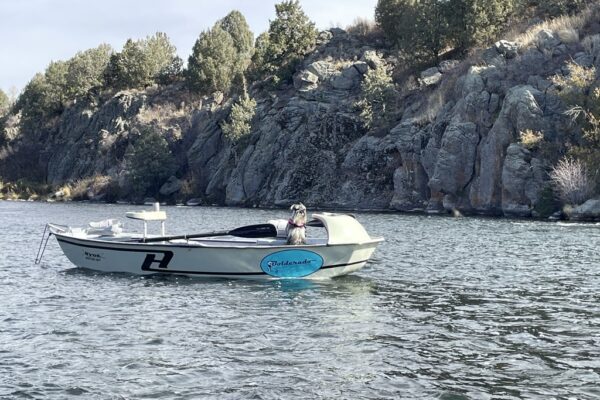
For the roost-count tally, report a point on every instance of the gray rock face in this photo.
(171, 186)
(520, 111)
(523, 178)
(588, 211)
(348, 79)
(456, 159)
(448, 65)
(305, 81)
(457, 150)
(547, 40)
(322, 69)
(431, 76)
(508, 49)
(373, 59)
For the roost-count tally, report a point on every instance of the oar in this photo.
(250, 231)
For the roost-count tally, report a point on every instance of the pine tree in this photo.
(4, 103)
(221, 55)
(142, 63)
(290, 37)
(149, 163)
(85, 70)
(211, 67)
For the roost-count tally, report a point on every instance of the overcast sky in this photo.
(34, 32)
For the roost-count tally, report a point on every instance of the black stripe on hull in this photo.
(170, 271)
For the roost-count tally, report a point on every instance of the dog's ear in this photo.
(293, 207)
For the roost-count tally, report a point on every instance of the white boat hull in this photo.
(218, 258)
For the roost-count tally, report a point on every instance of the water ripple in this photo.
(448, 309)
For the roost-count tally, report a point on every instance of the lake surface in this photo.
(448, 309)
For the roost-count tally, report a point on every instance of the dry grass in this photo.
(87, 188)
(159, 113)
(566, 27)
(531, 139)
(363, 27)
(591, 44)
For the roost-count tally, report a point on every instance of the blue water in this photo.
(448, 309)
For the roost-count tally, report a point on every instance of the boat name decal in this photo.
(92, 256)
(294, 263)
(163, 263)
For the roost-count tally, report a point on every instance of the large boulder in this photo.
(506, 48)
(588, 211)
(547, 40)
(348, 79)
(431, 76)
(322, 69)
(305, 81)
(373, 59)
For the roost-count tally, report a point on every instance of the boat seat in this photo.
(147, 215)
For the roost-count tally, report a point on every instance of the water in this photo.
(448, 309)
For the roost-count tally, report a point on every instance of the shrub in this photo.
(425, 28)
(240, 119)
(377, 99)
(363, 28)
(43, 97)
(85, 71)
(149, 163)
(142, 63)
(211, 65)
(547, 203)
(290, 37)
(4, 103)
(221, 55)
(571, 181)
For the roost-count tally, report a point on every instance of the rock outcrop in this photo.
(308, 143)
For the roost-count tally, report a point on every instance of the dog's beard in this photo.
(299, 218)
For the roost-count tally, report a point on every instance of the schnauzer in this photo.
(296, 227)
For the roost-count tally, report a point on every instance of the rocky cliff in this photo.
(454, 145)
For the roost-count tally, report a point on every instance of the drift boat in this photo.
(255, 251)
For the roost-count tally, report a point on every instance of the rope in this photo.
(40, 253)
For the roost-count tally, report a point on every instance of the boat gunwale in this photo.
(65, 237)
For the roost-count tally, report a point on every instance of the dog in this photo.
(296, 226)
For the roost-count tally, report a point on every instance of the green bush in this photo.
(290, 37)
(149, 163)
(423, 29)
(377, 99)
(43, 97)
(211, 65)
(240, 119)
(85, 71)
(142, 63)
(4, 103)
(221, 55)
(555, 8)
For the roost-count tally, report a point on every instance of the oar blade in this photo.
(255, 231)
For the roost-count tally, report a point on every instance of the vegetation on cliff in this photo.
(479, 130)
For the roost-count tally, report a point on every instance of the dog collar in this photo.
(290, 222)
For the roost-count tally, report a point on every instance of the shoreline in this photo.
(423, 213)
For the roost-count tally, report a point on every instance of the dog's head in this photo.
(298, 214)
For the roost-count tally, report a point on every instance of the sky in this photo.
(35, 32)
